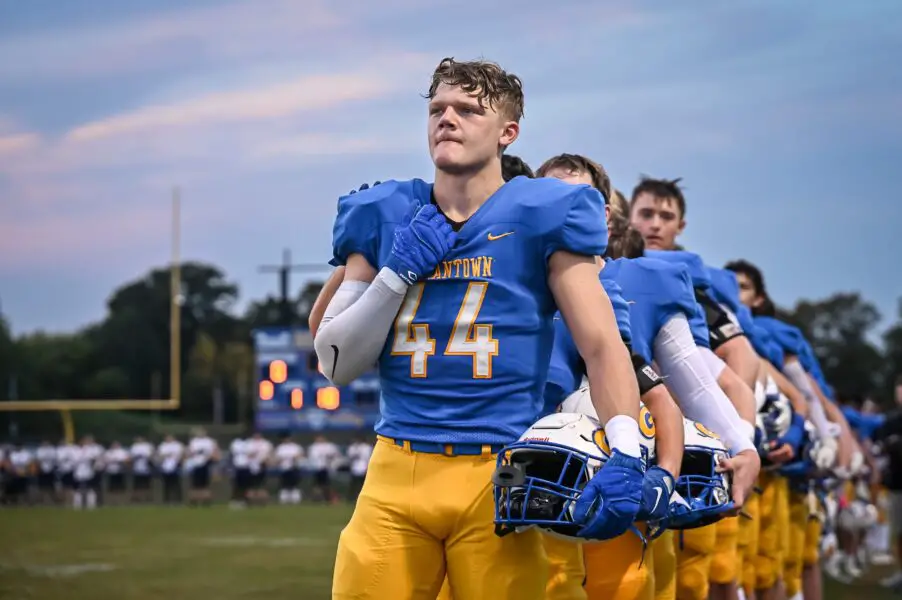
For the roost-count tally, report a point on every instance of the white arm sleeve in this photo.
(695, 388)
(356, 324)
(799, 378)
(714, 363)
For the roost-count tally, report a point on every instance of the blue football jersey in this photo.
(656, 291)
(467, 358)
(698, 272)
(725, 291)
(566, 370)
(765, 344)
(789, 338)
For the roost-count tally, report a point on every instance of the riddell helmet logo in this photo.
(537, 439)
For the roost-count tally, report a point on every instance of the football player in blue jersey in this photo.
(823, 413)
(452, 289)
(616, 569)
(657, 211)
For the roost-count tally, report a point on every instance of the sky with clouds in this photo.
(783, 118)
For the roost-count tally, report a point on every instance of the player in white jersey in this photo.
(141, 456)
(359, 453)
(19, 465)
(259, 451)
(88, 463)
(289, 455)
(115, 462)
(203, 454)
(238, 455)
(170, 455)
(322, 456)
(45, 457)
(66, 453)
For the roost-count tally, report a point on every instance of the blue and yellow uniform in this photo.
(462, 373)
(784, 529)
(566, 560)
(707, 553)
(657, 291)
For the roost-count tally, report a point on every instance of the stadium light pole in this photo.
(284, 271)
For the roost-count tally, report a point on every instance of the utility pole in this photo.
(287, 315)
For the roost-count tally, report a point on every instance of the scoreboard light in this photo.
(328, 398)
(278, 371)
(297, 398)
(267, 389)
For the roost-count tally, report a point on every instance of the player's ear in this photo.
(509, 133)
(682, 226)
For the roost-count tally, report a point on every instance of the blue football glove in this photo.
(609, 503)
(657, 488)
(420, 244)
(364, 187)
(795, 435)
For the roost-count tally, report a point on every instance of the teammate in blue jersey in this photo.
(825, 416)
(657, 211)
(452, 289)
(614, 569)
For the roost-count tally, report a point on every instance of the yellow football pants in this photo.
(726, 564)
(774, 511)
(665, 565)
(421, 515)
(566, 569)
(695, 551)
(813, 531)
(795, 550)
(748, 541)
(617, 570)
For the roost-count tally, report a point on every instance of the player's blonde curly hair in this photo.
(492, 85)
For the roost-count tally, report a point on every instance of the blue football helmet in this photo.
(539, 478)
(705, 494)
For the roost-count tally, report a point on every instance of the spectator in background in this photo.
(259, 451)
(889, 436)
(87, 464)
(115, 461)
(141, 457)
(66, 454)
(238, 454)
(322, 456)
(203, 453)
(46, 459)
(169, 456)
(359, 453)
(289, 455)
(19, 468)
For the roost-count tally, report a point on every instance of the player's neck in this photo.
(459, 196)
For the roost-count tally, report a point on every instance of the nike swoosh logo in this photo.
(334, 361)
(658, 491)
(492, 238)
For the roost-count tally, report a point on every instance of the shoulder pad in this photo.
(620, 305)
(724, 288)
(568, 217)
(362, 216)
(693, 262)
(789, 338)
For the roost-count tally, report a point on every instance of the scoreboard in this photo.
(292, 394)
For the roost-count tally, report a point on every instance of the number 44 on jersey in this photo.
(468, 338)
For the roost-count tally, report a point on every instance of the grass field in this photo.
(180, 553)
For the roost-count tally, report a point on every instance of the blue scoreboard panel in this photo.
(292, 394)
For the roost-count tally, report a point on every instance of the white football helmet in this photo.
(706, 492)
(580, 402)
(539, 478)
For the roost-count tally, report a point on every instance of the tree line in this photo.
(126, 355)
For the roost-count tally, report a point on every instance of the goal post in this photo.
(65, 407)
